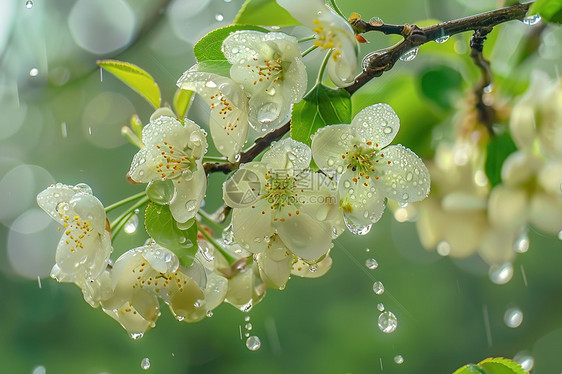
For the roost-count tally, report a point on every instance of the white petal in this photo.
(328, 146)
(518, 168)
(288, 154)
(295, 81)
(190, 192)
(376, 123)
(268, 111)
(307, 270)
(343, 62)
(144, 167)
(405, 177)
(161, 259)
(507, 207)
(50, 198)
(245, 186)
(130, 319)
(317, 196)
(497, 246)
(546, 212)
(550, 177)
(305, 236)
(165, 129)
(361, 199)
(252, 225)
(275, 263)
(303, 11)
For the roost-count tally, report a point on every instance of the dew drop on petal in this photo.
(410, 55)
(145, 363)
(371, 263)
(253, 343)
(442, 39)
(29, 4)
(387, 322)
(399, 359)
(267, 113)
(501, 274)
(387, 130)
(380, 307)
(132, 224)
(191, 205)
(531, 20)
(513, 317)
(378, 287)
(524, 359)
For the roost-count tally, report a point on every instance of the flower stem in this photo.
(122, 219)
(214, 159)
(336, 9)
(323, 67)
(208, 219)
(127, 200)
(231, 259)
(306, 39)
(309, 50)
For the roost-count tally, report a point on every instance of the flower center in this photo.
(326, 38)
(75, 228)
(174, 162)
(160, 282)
(224, 109)
(267, 70)
(281, 191)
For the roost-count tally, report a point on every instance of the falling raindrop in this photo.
(63, 130)
(132, 224)
(443, 248)
(34, 72)
(442, 39)
(410, 55)
(247, 318)
(387, 322)
(560, 235)
(524, 359)
(501, 274)
(380, 307)
(39, 281)
(145, 363)
(531, 20)
(399, 359)
(356, 229)
(371, 263)
(513, 317)
(219, 17)
(39, 370)
(378, 288)
(248, 326)
(29, 4)
(136, 335)
(253, 343)
(367, 250)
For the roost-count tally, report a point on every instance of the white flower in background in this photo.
(173, 153)
(369, 170)
(143, 274)
(332, 32)
(270, 68)
(84, 249)
(280, 195)
(229, 109)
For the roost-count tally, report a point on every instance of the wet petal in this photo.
(507, 207)
(377, 124)
(288, 154)
(328, 146)
(361, 199)
(546, 212)
(251, 225)
(190, 191)
(144, 167)
(50, 198)
(244, 188)
(405, 177)
(311, 270)
(268, 109)
(275, 263)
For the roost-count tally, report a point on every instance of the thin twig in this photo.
(414, 36)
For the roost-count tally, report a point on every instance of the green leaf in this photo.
(209, 46)
(442, 85)
(182, 101)
(162, 227)
(322, 106)
(134, 77)
(265, 13)
(492, 366)
(220, 67)
(497, 151)
(549, 10)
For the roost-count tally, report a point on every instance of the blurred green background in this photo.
(60, 121)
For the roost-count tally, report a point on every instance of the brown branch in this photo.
(384, 59)
(486, 113)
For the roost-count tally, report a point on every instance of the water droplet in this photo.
(253, 343)
(211, 84)
(367, 250)
(39, 281)
(330, 162)
(209, 313)
(387, 322)
(513, 317)
(136, 335)
(399, 359)
(380, 307)
(145, 363)
(443, 248)
(313, 268)
(191, 205)
(29, 4)
(371, 263)
(267, 113)
(376, 21)
(410, 55)
(524, 359)
(132, 224)
(219, 17)
(39, 370)
(357, 229)
(405, 196)
(247, 318)
(34, 71)
(531, 20)
(378, 287)
(63, 129)
(387, 130)
(442, 39)
(501, 274)
(560, 235)
(521, 245)
(248, 326)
